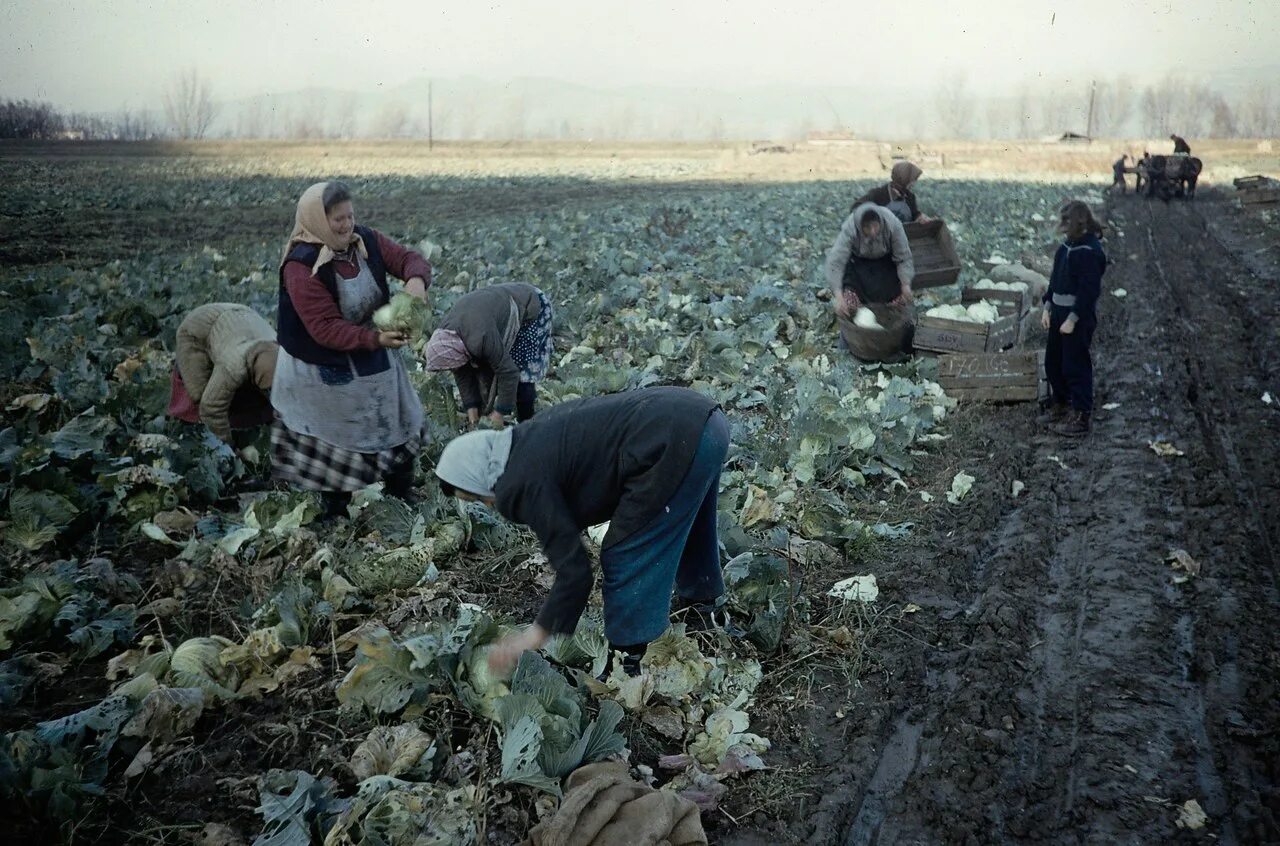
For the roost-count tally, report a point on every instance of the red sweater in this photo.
(319, 312)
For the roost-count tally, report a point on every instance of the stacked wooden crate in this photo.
(1016, 376)
(1257, 191)
(974, 364)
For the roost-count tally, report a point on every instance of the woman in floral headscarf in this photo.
(497, 342)
(897, 195)
(348, 416)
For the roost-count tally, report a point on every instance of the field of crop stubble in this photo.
(180, 646)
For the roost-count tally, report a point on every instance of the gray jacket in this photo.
(892, 240)
(481, 319)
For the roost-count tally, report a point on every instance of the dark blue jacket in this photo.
(1077, 270)
(292, 334)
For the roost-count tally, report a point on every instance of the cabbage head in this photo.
(405, 313)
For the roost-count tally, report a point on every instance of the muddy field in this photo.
(1036, 672)
(1059, 686)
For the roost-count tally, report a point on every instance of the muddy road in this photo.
(1063, 683)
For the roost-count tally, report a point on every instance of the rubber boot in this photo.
(400, 484)
(706, 615)
(1076, 425)
(631, 656)
(526, 396)
(335, 504)
(1054, 413)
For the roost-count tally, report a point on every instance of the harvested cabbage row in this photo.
(988, 285)
(980, 312)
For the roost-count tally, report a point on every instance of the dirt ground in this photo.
(1059, 686)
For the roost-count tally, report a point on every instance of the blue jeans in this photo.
(679, 548)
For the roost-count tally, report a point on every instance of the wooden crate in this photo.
(1260, 196)
(933, 251)
(1249, 182)
(993, 377)
(937, 334)
(1014, 301)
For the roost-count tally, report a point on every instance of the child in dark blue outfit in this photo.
(1071, 315)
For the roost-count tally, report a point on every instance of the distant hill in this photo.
(533, 108)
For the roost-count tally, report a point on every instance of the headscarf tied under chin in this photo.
(311, 226)
(475, 461)
(903, 174)
(446, 350)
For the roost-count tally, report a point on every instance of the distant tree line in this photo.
(1105, 108)
(1120, 107)
(43, 122)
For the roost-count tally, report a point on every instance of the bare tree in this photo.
(1223, 124)
(954, 106)
(391, 122)
(188, 104)
(515, 120)
(1112, 104)
(344, 118)
(1177, 104)
(253, 120)
(1157, 107)
(29, 119)
(1260, 111)
(306, 121)
(997, 118)
(136, 126)
(1022, 111)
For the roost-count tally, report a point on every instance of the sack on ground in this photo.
(604, 806)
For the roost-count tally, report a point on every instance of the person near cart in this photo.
(1117, 173)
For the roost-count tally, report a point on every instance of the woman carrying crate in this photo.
(1070, 316)
(870, 270)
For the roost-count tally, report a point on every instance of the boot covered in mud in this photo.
(1074, 425)
(1053, 414)
(706, 615)
(628, 656)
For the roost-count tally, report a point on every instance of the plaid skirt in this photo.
(532, 349)
(314, 465)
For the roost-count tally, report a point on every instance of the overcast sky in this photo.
(104, 55)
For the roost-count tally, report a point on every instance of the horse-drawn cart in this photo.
(1170, 176)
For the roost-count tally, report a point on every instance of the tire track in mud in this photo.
(1216, 436)
(1082, 696)
(1230, 339)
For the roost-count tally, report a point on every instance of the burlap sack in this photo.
(603, 806)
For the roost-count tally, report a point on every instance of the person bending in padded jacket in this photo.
(646, 461)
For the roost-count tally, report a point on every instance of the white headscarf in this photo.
(475, 461)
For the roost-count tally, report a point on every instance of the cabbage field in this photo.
(188, 655)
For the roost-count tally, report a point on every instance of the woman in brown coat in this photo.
(226, 353)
